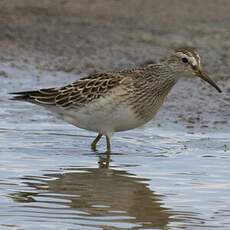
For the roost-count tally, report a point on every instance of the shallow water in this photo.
(156, 178)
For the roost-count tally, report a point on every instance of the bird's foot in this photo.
(104, 160)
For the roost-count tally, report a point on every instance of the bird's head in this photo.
(186, 61)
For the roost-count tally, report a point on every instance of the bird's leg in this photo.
(108, 143)
(94, 143)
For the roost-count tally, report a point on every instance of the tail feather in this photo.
(44, 96)
(22, 96)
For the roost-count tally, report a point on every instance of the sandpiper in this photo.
(117, 101)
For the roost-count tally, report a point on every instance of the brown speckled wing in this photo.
(77, 93)
(86, 89)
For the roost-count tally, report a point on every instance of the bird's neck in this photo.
(161, 73)
(152, 89)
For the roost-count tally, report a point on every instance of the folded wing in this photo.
(77, 93)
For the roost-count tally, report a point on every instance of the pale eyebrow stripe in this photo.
(192, 56)
(198, 58)
(190, 52)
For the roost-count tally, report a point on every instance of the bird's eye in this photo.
(184, 60)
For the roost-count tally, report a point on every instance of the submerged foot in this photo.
(104, 160)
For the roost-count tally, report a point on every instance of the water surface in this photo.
(156, 178)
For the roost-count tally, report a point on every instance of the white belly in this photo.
(102, 117)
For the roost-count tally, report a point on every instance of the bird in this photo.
(115, 101)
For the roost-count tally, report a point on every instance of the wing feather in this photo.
(78, 93)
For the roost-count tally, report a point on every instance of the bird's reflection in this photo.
(99, 192)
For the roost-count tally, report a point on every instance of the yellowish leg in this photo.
(105, 158)
(108, 143)
(94, 143)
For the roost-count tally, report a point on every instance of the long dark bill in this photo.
(206, 78)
